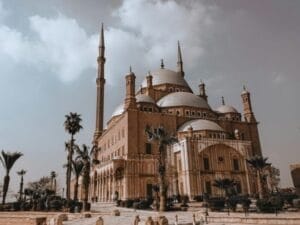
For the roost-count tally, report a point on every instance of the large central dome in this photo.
(182, 99)
(165, 76)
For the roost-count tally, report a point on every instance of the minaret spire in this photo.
(223, 101)
(162, 65)
(100, 81)
(179, 60)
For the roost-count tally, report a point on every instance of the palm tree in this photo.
(8, 159)
(21, 173)
(225, 184)
(84, 155)
(259, 163)
(163, 138)
(72, 126)
(77, 166)
(53, 176)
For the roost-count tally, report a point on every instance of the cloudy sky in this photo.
(48, 53)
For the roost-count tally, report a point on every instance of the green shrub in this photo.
(198, 198)
(216, 204)
(270, 205)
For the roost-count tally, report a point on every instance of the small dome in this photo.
(119, 110)
(226, 109)
(182, 99)
(200, 124)
(165, 76)
(144, 98)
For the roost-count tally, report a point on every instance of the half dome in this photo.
(166, 76)
(182, 99)
(119, 110)
(144, 98)
(226, 109)
(200, 124)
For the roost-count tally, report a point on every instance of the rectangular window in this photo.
(179, 165)
(123, 150)
(206, 163)
(208, 187)
(148, 147)
(236, 165)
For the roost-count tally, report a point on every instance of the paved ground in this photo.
(127, 216)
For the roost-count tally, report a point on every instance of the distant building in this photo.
(213, 143)
(295, 172)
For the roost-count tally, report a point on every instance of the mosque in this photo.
(212, 143)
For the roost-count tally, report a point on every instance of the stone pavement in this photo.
(184, 218)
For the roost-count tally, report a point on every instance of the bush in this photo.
(216, 204)
(55, 205)
(288, 197)
(270, 205)
(232, 202)
(198, 198)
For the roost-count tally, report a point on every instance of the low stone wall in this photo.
(271, 219)
(32, 218)
(22, 220)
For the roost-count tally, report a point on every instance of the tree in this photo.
(163, 138)
(84, 156)
(53, 176)
(21, 173)
(259, 164)
(8, 159)
(225, 184)
(72, 126)
(77, 166)
(274, 175)
(41, 185)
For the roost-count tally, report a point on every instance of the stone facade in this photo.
(212, 143)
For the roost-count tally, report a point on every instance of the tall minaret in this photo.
(179, 61)
(248, 113)
(100, 81)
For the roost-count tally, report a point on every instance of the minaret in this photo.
(248, 113)
(149, 89)
(130, 100)
(149, 78)
(179, 61)
(223, 101)
(100, 81)
(202, 92)
(162, 65)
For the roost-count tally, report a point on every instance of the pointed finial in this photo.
(162, 65)
(223, 101)
(201, 81)
(102, 36)
(130, 69)
(179, 60)
(179, 56)
(149, 73)
(244, 88)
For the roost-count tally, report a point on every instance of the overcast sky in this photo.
(48, 53)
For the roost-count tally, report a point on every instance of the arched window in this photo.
(206, 165)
